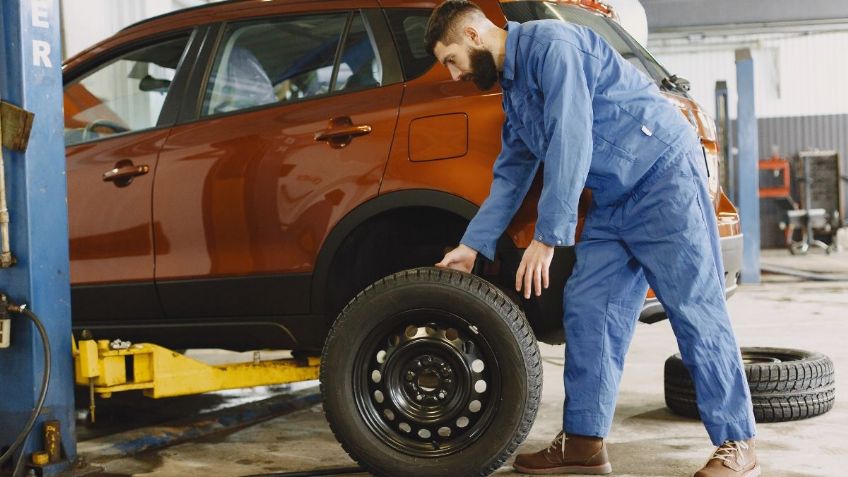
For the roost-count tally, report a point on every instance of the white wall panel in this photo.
(796, 74)
(86, 22)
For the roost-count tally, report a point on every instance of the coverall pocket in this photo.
(672, 207)
(604, 148)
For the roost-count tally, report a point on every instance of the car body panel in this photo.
(253, 193)
(235, 229)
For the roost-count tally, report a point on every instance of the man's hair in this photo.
(443, 23)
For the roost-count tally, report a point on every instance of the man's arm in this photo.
(563, 73)
(514, 170)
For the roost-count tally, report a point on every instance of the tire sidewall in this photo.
(380, 310)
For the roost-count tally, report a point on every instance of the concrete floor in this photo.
(647, 440)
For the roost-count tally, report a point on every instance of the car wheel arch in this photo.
(379, 206)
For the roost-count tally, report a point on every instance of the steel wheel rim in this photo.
(428, 387)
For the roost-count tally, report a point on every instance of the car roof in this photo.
(187, 18)
(591, 4)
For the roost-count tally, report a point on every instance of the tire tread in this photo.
(492, 296)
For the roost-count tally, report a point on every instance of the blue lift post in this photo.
(746, 173)
(722, 116)
(31, 78)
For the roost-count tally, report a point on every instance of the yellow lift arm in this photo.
(160, 372)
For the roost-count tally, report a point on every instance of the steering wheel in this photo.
(88, 132)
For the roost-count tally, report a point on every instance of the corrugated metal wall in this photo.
(790, 136)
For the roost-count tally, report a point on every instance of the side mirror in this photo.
(681, 83)
(149, 83)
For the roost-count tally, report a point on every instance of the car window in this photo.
(279, 60)
(526, 11)
(359, 66)
(126, 94)
(408, 26)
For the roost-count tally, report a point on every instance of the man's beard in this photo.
(484, 72)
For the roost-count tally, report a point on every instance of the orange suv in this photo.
(239, 172)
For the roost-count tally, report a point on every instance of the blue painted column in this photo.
(746, 173)
(31, 78)
(723, 124)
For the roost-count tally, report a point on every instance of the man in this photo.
(589, 118)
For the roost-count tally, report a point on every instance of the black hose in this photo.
(314, 472)
(44, 383)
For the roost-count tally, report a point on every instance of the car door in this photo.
(114, 130)
(293, 128)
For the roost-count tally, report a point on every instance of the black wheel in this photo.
(431, 373)
(786, 384)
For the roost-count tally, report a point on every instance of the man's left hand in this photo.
(533, 270)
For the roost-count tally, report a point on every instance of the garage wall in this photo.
(86, 22)
(797, 73)
(790, 136)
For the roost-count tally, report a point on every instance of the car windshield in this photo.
(616, 36)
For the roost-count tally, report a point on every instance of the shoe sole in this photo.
(755, 472)
(570, 469)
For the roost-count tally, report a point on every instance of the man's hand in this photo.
(461, 258)
(534, 268)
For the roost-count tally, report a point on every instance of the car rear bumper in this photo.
(731, 253)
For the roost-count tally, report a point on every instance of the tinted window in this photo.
(614, 35)
(271, 61)
(360, 66)
(408, 27)
(126, 94)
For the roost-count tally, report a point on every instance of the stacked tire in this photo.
(786, 384)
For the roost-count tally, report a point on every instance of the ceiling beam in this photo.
(677, 15)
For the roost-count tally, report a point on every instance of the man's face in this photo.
(468, 62)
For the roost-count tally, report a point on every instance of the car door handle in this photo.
(124, 172)
(341, 132)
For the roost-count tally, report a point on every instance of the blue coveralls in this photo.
(575, 105)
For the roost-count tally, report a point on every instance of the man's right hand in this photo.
(461, 258)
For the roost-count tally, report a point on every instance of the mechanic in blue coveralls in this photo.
(574, 106)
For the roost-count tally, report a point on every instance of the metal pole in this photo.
(746, 172)
(31, 78)
(722, 113)
(808, 200)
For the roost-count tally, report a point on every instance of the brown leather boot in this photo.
(567, 455)
(732, 459)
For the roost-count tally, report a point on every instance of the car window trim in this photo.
(168, 114)
(337, 61)
(213, 56)
(389, 56)
(406, 76)
(192, 113)
(192, 103)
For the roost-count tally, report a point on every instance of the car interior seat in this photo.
(241, 83)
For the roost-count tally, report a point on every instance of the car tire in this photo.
(786, 384)
(431, 372)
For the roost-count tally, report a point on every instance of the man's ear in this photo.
(472, 35)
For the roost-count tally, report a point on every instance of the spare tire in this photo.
(431, 372)
(786, 384)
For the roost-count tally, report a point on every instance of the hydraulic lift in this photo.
(34, 269)
(39, 361)
(110, 367)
